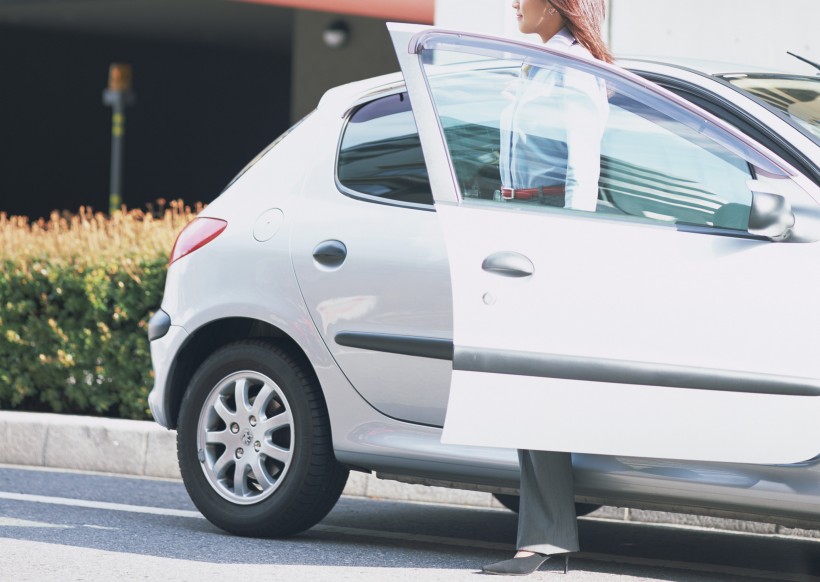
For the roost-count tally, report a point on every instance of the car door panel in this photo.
(372, 266)
(621, 335)
(394, 284)
(640, 421)
(609, 360)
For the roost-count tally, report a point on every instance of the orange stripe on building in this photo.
(419, 11)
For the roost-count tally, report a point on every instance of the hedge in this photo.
(76, 294)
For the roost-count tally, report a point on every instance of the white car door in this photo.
(680, 319)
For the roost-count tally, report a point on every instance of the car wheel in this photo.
(512, 502)
(254, 443)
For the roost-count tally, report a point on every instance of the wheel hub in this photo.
(245, 437)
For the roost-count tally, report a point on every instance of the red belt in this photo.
(530, 193)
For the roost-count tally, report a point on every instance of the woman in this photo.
(551, 132)
(563, 172)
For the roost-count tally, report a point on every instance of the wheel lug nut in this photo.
(252, 420)
(234, 428)
(240, 453)
(257, 446)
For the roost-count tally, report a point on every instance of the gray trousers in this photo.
(547, 522)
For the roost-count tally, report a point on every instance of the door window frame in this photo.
(447, 191)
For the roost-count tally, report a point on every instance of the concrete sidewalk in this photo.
(143, 448)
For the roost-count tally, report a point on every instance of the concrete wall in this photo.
(317, 67)
(755, 32)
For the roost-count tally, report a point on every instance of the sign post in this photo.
(118, 96)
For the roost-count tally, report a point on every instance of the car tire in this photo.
(513, 502)
(254, 443)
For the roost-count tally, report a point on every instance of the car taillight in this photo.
(198, 233)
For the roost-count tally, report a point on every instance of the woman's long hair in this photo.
(585, 20)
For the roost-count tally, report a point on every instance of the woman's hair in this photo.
(585, 20)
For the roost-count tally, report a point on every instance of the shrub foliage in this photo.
(76, 294)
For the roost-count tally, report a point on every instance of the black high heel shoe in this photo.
(521, 566)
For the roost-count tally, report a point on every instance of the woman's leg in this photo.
(547, 523)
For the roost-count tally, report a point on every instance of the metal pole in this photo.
(118, 96)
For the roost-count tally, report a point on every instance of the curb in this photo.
(143, 448)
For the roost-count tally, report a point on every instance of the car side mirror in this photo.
(771, 216)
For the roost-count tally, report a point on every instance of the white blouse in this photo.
(551, 132)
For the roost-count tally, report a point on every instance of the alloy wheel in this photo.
(245, 437)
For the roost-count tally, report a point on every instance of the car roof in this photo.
(349, 94)
(343, 97)
(709, 67)
(339, 101)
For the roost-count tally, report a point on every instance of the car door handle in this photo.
(508, 264)
(330, 253)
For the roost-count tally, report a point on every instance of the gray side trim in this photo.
(627, 372)
(580, 368)
(422, 347)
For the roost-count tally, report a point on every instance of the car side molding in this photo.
(422, 347)
(629, 372)
(471, 359)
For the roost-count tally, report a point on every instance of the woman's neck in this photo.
(551, 31)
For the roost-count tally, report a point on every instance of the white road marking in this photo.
(99, 505)
(13, 522)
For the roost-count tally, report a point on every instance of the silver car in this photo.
(362, 270)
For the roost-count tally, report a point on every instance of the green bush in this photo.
(74, 310)
(74, 339)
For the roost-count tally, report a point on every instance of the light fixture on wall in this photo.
(337, 34)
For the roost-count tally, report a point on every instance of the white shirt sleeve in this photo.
(585, 109)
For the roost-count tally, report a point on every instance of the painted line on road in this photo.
(99, 505)
(420, 538)
(14, 522)
(68, 471)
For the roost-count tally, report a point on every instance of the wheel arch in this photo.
(210, 337)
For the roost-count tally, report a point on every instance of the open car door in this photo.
(679, 318)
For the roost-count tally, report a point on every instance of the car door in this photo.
(369, 256)
(679, 319)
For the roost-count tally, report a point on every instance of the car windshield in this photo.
(796, 96)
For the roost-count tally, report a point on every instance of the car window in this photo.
(797, 97)
(742, 120)
(654, 158)
(380, 153)
(656, 167)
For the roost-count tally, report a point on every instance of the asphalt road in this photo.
(71, 526)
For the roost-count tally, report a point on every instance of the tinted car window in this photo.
(380, 153)
(657, 161)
